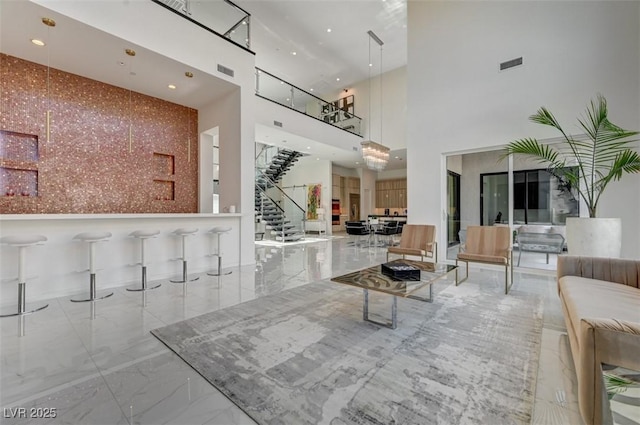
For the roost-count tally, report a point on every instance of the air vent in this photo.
(355, 148)
(277, 123)
(511, 63)
(225, 70)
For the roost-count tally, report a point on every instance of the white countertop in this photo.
(143, 216)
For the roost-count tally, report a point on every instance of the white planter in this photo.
(594, 237)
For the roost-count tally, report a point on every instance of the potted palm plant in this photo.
(588, 164)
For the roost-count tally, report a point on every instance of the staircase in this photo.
(269, 210)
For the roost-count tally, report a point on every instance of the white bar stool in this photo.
(184, 233)
(92, 238)
(219, 230)
(143, 235)
(22, 242)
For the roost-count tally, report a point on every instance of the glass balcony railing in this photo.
(277, 90)
(222, 17)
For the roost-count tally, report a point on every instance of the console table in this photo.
(319, 226)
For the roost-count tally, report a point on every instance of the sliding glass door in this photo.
(494, 199)
(481, 181)
(453, 217)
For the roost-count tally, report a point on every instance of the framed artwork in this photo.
(313, 201)
(347, 104)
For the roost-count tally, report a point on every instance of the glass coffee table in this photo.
(372, 279)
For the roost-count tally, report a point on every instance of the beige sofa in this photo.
(600, 298)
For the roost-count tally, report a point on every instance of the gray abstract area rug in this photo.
(305, 356)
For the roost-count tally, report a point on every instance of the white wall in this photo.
(367, 191)
(344, 172)
(394, 107)
(224, 114)
(311, 171)
(459, 100)
(392, 174)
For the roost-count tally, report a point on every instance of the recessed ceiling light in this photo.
(37, 42)
(308, 147)
(120, 63)
(328, 29)
(397, 157)
(317, 159)
(294, 53)
(281, 82)
(244, 22)
(171, 86)
(288, 99)
(310, 89)
(357, 163)
(370, 64)
(338, 79)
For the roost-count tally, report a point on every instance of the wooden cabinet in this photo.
(335, 186)
(391, 193)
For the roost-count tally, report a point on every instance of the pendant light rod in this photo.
(375, 155)
(375, 37)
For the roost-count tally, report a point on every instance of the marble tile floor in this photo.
(97, 363)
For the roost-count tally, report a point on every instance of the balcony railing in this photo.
(221, 17)
(272, 88)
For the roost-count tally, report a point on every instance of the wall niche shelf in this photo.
(18, 164)
(18, 147)
(164, 164)
(164, 190)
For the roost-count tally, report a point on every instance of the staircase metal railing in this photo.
(265, 156)
(277, 90)
(223, 18)
(292, 211)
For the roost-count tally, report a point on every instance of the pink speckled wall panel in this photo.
(88, 165)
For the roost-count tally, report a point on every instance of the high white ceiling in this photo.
(278, 28)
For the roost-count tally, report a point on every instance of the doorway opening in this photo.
(354, 207)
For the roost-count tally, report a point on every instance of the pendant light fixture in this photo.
(189, 76)
(375, 155)
(50, 23)
(131, 53)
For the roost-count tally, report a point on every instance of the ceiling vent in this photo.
(277, 123)
(225, 70)
(511, 63)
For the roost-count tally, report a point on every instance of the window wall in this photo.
(478, 193)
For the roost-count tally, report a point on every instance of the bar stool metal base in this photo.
(144, 287)
(23, 307)
(184, 278)
(93, 295)
(28, 309)
(219, 272)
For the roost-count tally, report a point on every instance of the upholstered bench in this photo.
(600, 299)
